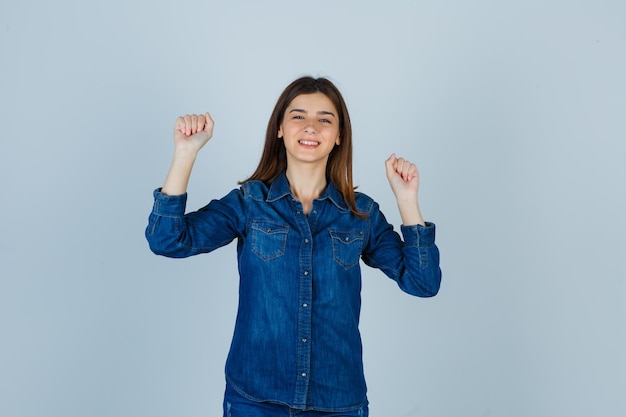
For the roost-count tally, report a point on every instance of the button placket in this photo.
(305, 264)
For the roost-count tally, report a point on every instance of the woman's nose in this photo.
(310, 128)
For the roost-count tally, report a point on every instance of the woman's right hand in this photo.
(192, 132)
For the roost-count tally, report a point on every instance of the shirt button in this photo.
(303, 374)
(306, 240)
(305, 305)
(303, 340)
(306, 272)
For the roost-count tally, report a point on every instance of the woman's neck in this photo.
(306, 184)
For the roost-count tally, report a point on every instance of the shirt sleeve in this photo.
(172, 233)
(413, 262)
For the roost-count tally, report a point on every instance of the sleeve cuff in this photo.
(418, 235)
(169, 205)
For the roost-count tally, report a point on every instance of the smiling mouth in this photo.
(308, 142)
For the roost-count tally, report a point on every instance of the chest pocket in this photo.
(347, 247)
(269, 239)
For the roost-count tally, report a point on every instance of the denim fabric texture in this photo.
(237, 405)
(296, 340)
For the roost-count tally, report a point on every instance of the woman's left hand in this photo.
(404, 180)
(403, 177)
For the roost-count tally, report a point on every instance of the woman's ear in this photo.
(338, 141)
(280, 132)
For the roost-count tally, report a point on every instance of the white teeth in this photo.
(309, 142)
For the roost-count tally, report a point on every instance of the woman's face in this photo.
(310, 129)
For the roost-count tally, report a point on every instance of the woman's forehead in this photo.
(313, 102)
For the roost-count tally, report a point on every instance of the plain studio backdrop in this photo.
(515, 113)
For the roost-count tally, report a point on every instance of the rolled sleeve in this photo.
(169, 205)
(418, 236)
(172, 232)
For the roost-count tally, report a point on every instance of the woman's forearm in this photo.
(178, 176)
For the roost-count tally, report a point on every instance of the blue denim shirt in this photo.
(296, 339)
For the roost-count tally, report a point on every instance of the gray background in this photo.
(514, 112)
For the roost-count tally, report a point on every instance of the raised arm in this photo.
(191, 133)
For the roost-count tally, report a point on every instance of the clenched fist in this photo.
(192, 132)
(404, 181)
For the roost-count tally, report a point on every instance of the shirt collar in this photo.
(280, 188)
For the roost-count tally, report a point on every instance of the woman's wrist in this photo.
(410, 213)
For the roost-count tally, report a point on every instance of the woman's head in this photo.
(274, 159)
(310, 85)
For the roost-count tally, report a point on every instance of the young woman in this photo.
(301, 230)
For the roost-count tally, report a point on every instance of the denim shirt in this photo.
(296, 340)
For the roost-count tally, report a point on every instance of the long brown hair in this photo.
(339, 166)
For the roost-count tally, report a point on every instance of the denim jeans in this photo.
(236, 405)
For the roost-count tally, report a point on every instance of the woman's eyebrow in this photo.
(321, 112)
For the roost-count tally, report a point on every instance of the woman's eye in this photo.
(325, 121)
